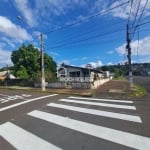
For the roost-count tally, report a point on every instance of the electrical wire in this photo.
(82, 34)
(134, 30)
(86, 39)
(87, 18)
(130, 11)
(136, 14)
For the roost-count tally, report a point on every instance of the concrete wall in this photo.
(75, 85)
(97, 83)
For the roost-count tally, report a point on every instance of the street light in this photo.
(42, 59)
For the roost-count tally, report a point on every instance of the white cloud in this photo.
(109, 63)
(94, 64)
(146, 59)
(84, 58)
(26, 11)
(9, 42)
(5, 57)
(57, 7)
(11, 30)
(121, 11)
(141, 47)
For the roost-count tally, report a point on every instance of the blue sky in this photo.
(76, 32)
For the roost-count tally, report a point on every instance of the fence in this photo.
(74, 85)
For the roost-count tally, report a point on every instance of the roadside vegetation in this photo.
(138, 91)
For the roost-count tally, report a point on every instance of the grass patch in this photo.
(121, 78)
(139, 91)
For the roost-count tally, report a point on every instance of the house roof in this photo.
(86, 69)
(4, 74)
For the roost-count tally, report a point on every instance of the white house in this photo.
(78, 74)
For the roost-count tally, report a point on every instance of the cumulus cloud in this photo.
(142, 46)
(11, 30)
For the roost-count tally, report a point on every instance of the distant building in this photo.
(6, 75)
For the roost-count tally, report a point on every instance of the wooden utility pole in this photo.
(128, 48)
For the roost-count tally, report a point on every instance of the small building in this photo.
(6, 75)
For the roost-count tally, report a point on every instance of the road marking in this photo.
(5, 101)
(116, 136)
(98, 112)
(1, 99)
(24, 102)
(24, 140)
(99, 104)
(105, 100)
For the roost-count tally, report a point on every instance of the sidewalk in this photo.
(79, 92)
(115, 89)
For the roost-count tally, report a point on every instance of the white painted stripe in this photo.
(24, 140)
(24, 102)
(5, 101)
(1, 100)
(98, 112)
(99, 104)
(116, 136)
(105, 100)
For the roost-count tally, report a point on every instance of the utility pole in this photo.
(42, 64)
(128, 48)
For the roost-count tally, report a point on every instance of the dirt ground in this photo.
(120, 89)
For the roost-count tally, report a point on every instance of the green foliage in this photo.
(27, 63)
(118, 70)
(139, 91)
(22, 73)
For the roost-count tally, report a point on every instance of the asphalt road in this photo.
(40, 121)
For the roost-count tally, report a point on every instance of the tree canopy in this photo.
(27, 63)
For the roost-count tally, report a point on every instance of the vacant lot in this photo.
(143, 81)
(119, 86)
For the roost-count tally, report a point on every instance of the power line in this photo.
(142, 11)
(136, 13)
(134, 30)
(86, 39)
(130, 11)
(87, 18)
(82, 34)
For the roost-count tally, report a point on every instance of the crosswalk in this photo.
(58, 116)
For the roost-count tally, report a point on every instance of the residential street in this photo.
(34, 120)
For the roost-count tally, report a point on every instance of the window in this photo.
(75, 74)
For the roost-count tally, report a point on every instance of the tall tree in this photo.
(27, 62)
